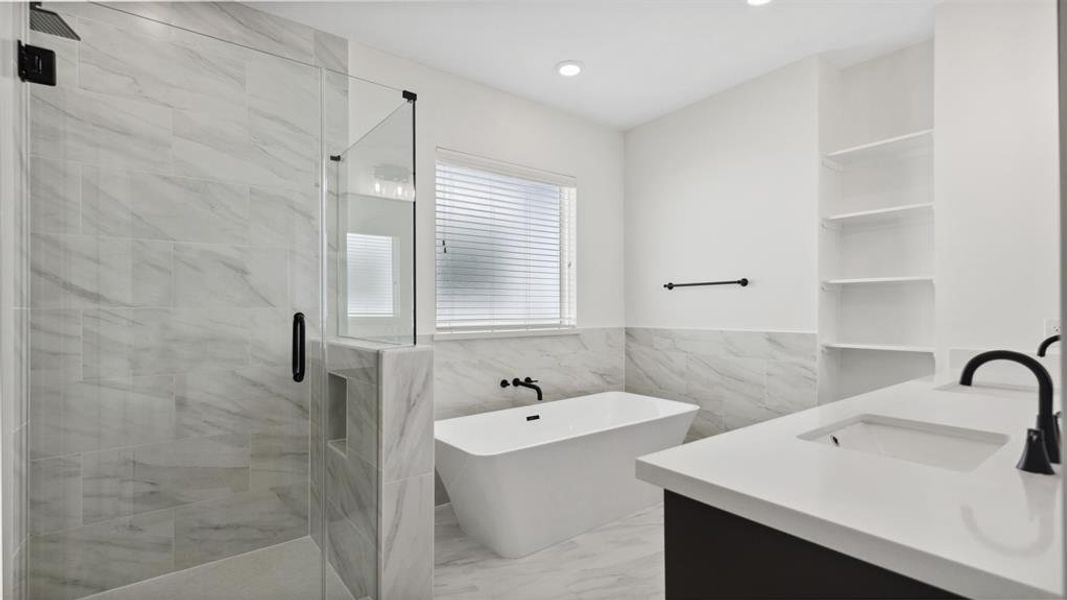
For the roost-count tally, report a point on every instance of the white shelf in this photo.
(867, 280)
(888, 147)
(881, 348)
(882, 214)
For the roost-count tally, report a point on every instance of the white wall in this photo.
(883, 97)
(460, 115)
(996, 172)
(723, 189)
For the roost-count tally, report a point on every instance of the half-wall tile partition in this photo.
(379, 470)
(407, 500)
(351, 487)
(172, 175)
(737, 378)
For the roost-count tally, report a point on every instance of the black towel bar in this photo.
(741, 282)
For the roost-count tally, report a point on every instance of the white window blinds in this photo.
(370, 275)
(505, 246)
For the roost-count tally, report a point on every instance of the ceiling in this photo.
(642, 58)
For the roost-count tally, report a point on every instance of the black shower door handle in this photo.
(298, 346)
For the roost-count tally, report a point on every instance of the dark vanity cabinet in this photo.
(711, 553)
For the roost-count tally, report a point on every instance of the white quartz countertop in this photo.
(994, 532)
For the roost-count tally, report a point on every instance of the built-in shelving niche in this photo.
(877, 277)
(876, 322)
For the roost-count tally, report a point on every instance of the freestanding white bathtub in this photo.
(521, 479)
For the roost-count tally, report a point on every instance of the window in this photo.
(505, 246)
(370, 275)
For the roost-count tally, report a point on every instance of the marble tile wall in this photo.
(174, 212)
(737, 378)
(467, 372)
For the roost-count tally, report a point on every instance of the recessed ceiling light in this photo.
(569, 68)
(758, 2)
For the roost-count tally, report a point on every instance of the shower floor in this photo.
(281, 572)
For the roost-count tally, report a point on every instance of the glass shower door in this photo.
(175, 230)
(375, 218)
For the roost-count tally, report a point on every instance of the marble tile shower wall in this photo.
(174, 213)
(737, 378)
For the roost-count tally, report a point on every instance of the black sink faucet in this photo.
(1046, 434)
(526, 383)
(1043, 348)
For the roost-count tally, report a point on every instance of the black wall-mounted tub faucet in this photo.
(1043, 348)
(526, 383)
(1042, 442)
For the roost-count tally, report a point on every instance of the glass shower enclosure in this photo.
(219, 224)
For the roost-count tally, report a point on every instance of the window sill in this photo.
(446, 336)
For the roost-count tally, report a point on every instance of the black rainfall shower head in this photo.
(49, 22)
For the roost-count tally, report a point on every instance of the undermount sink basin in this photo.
(944, 446)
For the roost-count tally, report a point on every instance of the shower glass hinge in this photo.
(36, 64)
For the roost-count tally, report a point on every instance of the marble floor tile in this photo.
(286, 571)
(622, 560)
